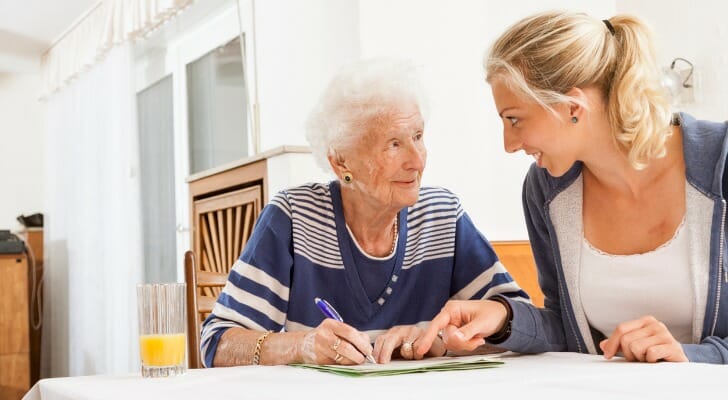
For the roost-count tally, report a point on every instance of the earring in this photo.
(574, 119)
(348, 177)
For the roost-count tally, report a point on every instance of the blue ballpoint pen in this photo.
(330, 312)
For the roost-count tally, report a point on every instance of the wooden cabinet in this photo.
(226, 201)
(224, 209)
(33, 238)
(14, 327)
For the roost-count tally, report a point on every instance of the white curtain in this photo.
(93, 239)
(109, 23)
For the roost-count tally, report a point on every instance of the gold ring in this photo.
(338, 358)
(335, 347)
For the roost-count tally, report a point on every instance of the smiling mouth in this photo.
(407, 182)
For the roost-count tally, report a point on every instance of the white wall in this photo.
(300, 45)
(292, 169)
(698, 32)
(463, 134)
(21, 147)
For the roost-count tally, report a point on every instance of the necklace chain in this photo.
(395, 231)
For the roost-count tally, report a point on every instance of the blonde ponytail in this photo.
(638, 108)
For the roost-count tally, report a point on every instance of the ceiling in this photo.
(28, 27)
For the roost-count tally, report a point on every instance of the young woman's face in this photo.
(527, 126)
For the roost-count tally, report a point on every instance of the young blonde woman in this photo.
(625, 205)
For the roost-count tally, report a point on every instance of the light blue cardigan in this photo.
(552, 207)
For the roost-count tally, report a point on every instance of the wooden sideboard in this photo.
(33, 238)
(19, 312)
(14, 327)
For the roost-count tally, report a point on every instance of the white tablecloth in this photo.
(542, 376)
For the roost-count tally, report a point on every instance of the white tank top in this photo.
(620, 288)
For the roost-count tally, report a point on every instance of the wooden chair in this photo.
(517, 257)
(203, 287)
(222, 225)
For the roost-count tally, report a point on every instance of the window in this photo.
(217, 108)
(156, 164)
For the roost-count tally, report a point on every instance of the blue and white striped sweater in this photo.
(300, 249)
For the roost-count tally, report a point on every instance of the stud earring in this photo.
(574, 119)
(348, 177)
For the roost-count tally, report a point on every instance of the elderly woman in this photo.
(386, 253)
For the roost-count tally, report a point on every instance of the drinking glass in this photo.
(162, 339)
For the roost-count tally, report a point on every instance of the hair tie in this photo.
(609, 26)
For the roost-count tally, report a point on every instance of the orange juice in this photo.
(162, 350)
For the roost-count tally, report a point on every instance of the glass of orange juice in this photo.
(162, 339)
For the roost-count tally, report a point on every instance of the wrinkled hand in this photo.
(464, 324)
(646, 340)
(403, 338)
(333, 342)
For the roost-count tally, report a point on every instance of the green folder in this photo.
(399, 367)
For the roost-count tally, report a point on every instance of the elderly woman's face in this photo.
(388, 161)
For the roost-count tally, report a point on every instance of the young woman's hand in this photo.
(646, 340)
(464, 324)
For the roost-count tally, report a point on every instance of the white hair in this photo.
(359, 94)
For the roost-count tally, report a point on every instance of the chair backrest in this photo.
(203, 287)
(222, 223)
(517, 257)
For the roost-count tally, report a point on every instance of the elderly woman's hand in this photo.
(333, 342)
(404, 338)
